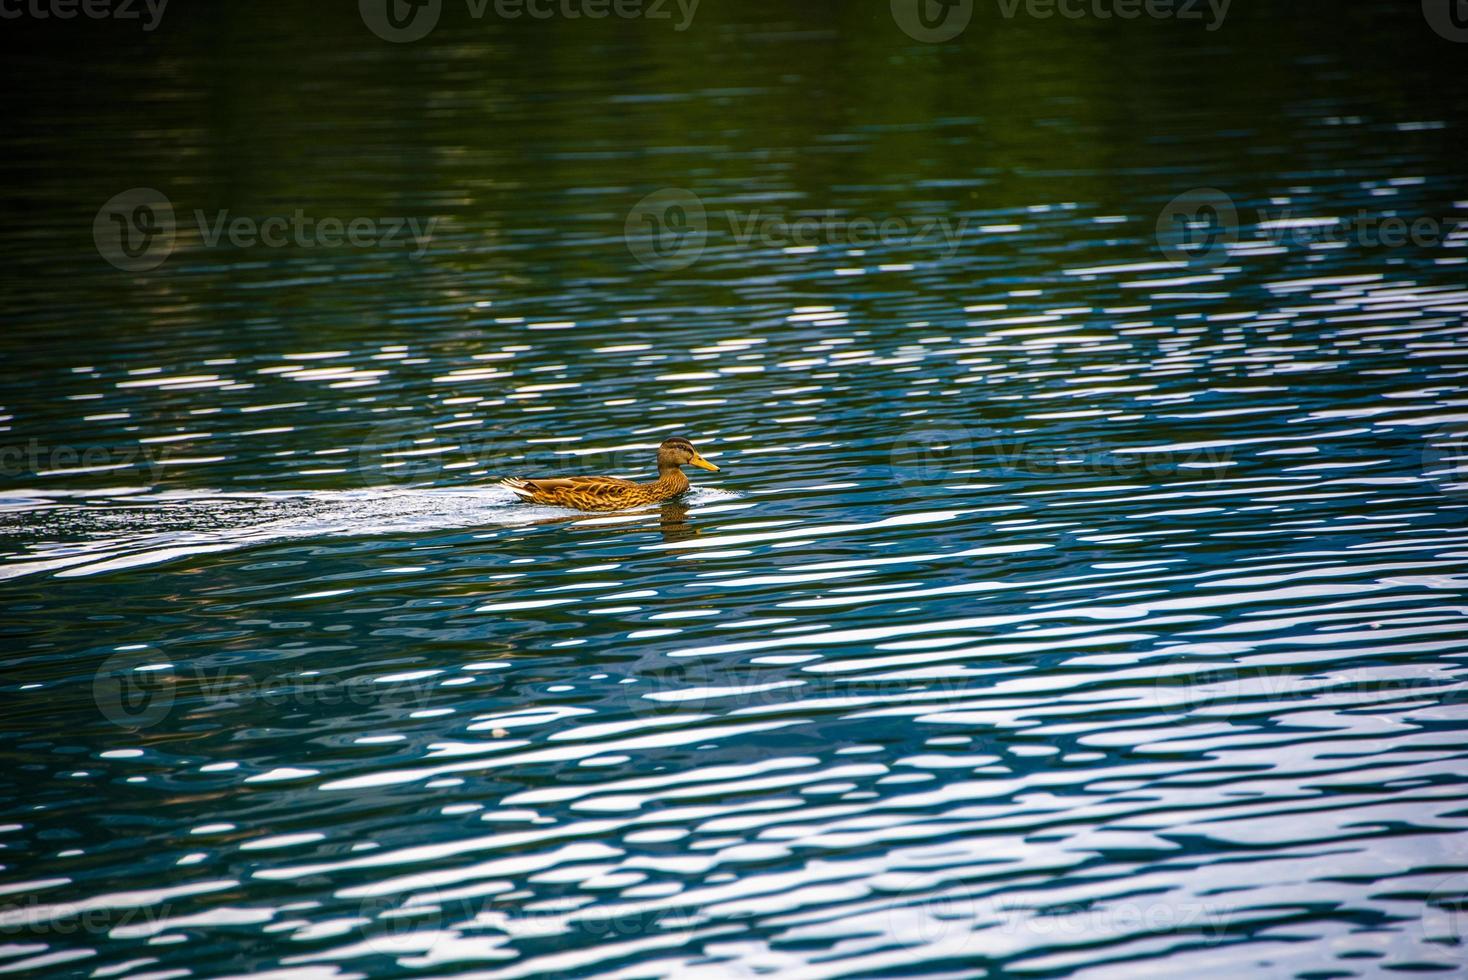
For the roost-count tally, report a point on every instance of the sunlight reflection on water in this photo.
(1062, 605)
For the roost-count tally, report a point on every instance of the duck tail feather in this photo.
(520, 487)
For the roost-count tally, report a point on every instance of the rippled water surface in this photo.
(1063, 605)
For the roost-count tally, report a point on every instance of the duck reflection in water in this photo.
(672, 522)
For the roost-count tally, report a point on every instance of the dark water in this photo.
(1070, 601)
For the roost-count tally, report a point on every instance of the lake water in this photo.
(1074, 599)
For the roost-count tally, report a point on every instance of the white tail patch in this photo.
(518, 487)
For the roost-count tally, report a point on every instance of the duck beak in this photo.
(702, 463)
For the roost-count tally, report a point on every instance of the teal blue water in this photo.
(1065, 604)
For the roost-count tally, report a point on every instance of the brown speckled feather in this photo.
(611, 493)
(597, 492)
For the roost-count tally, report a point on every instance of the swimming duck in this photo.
(610, 493)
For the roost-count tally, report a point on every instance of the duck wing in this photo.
(573, 491)
(557, 484)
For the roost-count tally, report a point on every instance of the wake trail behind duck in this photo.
(77, 533)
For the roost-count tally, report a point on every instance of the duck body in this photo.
(609, 492)
(596, 492)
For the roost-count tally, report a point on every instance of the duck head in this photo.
(677, 451)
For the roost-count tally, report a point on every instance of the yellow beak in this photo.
(702, 463)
